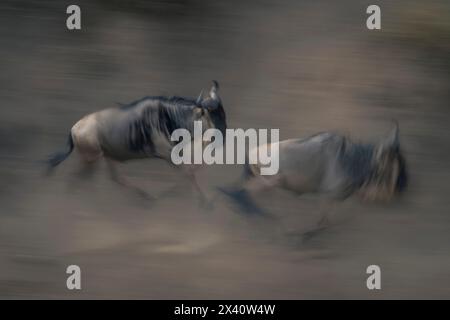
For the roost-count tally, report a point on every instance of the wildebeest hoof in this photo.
(308, 235)
(145, 195)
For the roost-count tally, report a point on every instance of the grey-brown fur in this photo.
(141, 129)
(333, 166)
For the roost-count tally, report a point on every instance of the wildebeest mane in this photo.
(356, 160)
(375, 176)
(174, 101)
(157, 116)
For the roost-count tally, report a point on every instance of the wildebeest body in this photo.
(142, 129)
(332, 165)
(314, 158)
(317, 164)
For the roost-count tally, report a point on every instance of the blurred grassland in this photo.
(300, 66)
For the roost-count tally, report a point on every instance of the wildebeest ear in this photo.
(214, 92)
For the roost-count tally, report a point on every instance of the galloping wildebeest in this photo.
(330, 164)
(141, 129)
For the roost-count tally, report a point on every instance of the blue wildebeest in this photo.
(141, 129)
(331, 165)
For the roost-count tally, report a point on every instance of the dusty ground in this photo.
(303, 67)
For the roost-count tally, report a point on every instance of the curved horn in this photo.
(213, 93)
(395, 125)
(392, 140)
(200, 98)
(394, 133)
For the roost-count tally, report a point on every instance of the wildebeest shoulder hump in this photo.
(174, 101)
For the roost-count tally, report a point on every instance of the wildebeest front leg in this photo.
(119, 179)
(324, 222)
(243, 195)
(190, 172)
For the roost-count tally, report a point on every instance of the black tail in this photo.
(59, 157)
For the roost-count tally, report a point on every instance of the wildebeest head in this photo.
(389, 175)
(212, 108)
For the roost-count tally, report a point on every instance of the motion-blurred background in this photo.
(300, 66)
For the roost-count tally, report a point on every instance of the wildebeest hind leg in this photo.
(119, 179)
(84, 171)
(314, 232)
(190, 172)
(323, 223)
(87, 169)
